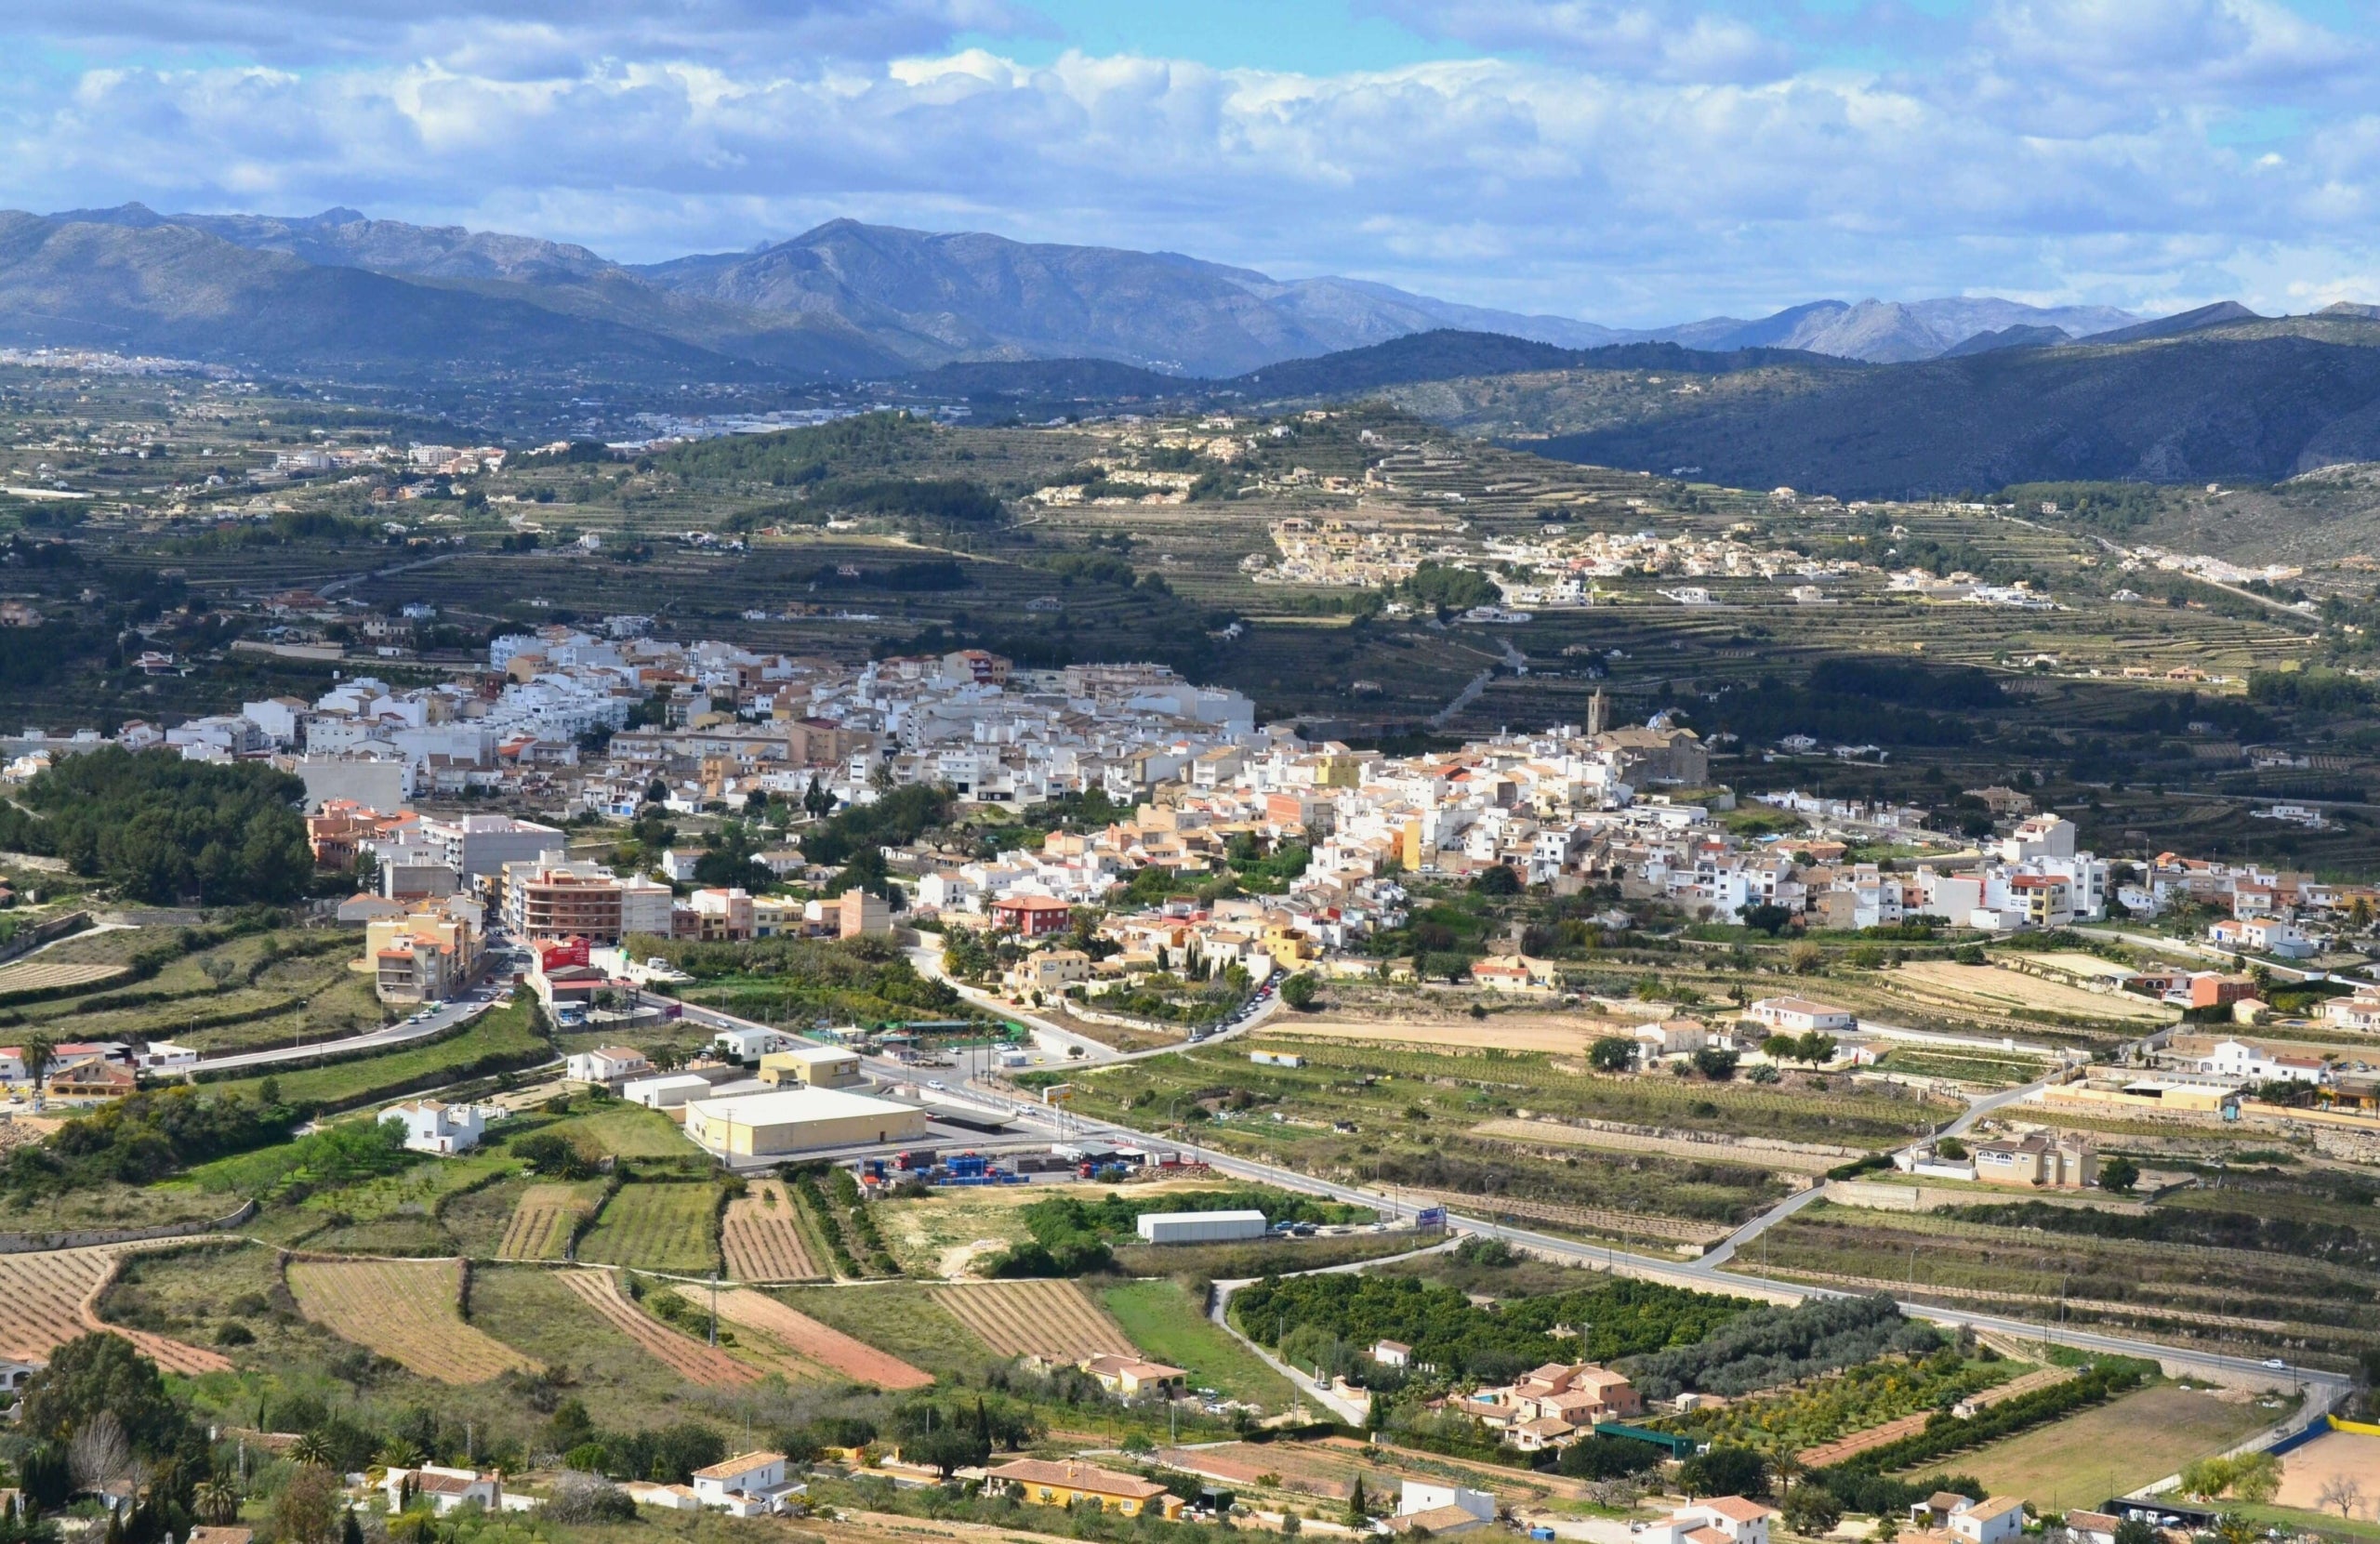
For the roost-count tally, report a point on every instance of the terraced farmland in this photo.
(46, 1301)
(38, 975)
(656, 1227)
(541, 1222)
(1056, 1320)
(763, 1237)
(822, 1344)
(405, 1310)
(683, 1354)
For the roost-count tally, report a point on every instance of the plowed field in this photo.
(40, 975)
(541, 1222)
(813, 1341)
(689, 1358)
(46, 1300)
(761, 1241)
(406, 1311)
(1056, 1320)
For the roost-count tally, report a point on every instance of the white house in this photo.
(1799, 1016)
(2254, 1065)
(1419, 1496)
(749, 1484)
(1392, 1354)
(1990, 1520)
(607, 1064)
(750, 1044)
(432, 1126)
(679, 867)
(1719, 1520)
(166, 1056)
(446, 1488)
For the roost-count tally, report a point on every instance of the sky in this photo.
(1630, 162)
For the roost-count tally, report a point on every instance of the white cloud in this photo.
(1632, 162)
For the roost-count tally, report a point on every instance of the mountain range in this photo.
(340, 290)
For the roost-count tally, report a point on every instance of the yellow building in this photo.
(798, 1120)
(427, 954)
(1050, 1484)
(813, 1067)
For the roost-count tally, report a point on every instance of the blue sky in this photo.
(1624, 161)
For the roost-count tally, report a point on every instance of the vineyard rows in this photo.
(405, 1310)
(683, 1354)
(822, 1344)
(541, 1224)
(762, 1239)
(49, 1299)
(1054, 1320)
(650, 1227)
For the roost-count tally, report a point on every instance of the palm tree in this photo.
(36, 1051)
(217, 1500)
(397, 1453)
(310, 1452)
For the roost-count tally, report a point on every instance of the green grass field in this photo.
(628, 1131)
(657, 1227)
(2112, 1449)
(1165, 1323)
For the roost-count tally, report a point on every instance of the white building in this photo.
(749, 1484)
(1799, 1015)
(445, 1488)
(434, 1127)
(607, 1064)
(668, 1091)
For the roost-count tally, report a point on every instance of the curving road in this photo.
(443, 1017)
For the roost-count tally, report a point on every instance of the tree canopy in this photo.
(164, 829)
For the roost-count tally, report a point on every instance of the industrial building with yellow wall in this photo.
(798, 1120)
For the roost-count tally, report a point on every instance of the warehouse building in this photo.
(1200, 1227)
(798, 1120)
(813, 1066)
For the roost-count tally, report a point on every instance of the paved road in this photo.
(1698, 1275)
(1979, 1106)
(445, 1016)
(927, 957)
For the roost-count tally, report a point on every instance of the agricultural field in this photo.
(844, 1355)
(1167, 1323)
(669, 1226)
(408, 1311)
(689, 1358)
(42, 975)
(2082, 1266)
(2006, 991)
(2114, 1448)
(543, 1220)
(1419, 1121)
(941, 1236)
(620, 1131)
(1054, 1320)
(254, 990)
(46, 1300)
(763, 1239)
(904, 1319)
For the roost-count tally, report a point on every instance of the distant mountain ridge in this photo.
(854, 301)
